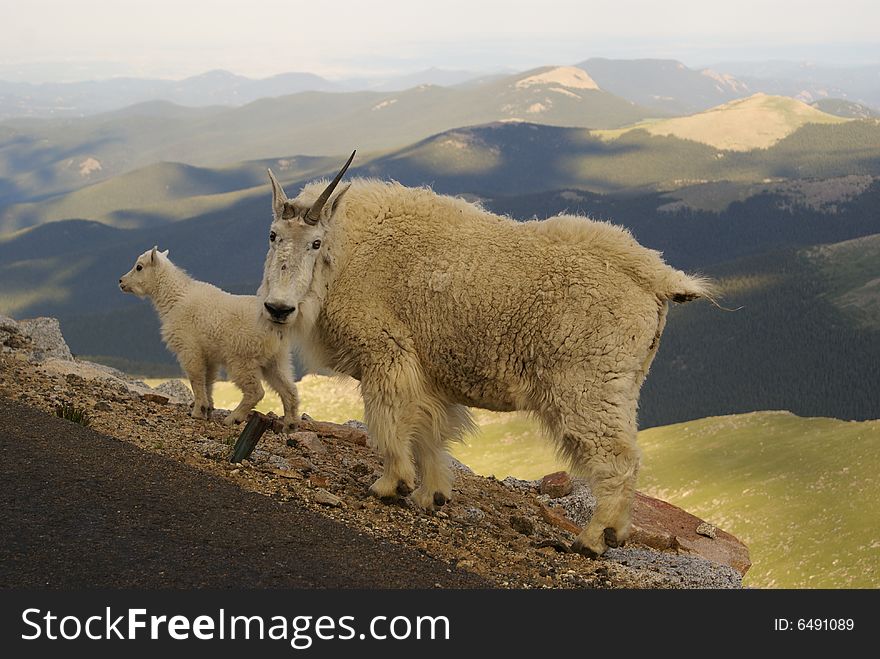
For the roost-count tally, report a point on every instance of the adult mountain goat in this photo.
(435, 304)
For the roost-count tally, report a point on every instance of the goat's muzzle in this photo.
(278, 313)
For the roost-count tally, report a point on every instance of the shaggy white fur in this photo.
(435, 304)
(207, 328)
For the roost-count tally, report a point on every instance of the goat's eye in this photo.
(316, 244)
(139, 267)
(271, 236)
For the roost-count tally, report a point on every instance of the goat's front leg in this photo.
(280, 378)
(389, 405)
(248, 380)
(195, 369)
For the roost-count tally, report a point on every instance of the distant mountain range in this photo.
(41, 157)
(793, 140)
(75, 99)
(663, 86)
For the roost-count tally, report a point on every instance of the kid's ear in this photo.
(153, 254)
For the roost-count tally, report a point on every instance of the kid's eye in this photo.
(139, 267)
(316, 244)
(271, 236)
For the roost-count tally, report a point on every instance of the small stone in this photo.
(103, 406)
(555, 485)
(361, 468)
(307, 440)
(707, 530)
(152, 397)
(522, 524)
(471, 515)
(318, 480)
(143, 422)
(324, 498)
(235, 472)
(301, 463)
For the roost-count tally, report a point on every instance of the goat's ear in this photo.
(278, 196)
(334, 202)
(165, 253)
(153, 253)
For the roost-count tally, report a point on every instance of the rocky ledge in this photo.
(514, 532)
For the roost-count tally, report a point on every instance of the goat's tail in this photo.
(680, 287)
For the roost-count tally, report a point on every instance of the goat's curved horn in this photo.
(314, 213)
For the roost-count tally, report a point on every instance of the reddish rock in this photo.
(316, 480)
(326, 430)
(161, 399)
(662, 526)
(555, 485)
(307, 440)
(286, 473)
(557, 518)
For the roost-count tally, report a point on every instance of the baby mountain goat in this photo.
(207, 328)
(435, 304)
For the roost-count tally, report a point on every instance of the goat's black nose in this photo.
(120, 281)
(278, 311)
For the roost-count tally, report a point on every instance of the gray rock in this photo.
(708, 530)
(578, 505)
(460, 466)
(103, 406)
(471, 515)
(47, 338)
(357, 425)
(11, 337)
(176, 390)
(681, 570)
(528, 487)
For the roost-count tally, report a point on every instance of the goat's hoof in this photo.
(389, 491)
(611, 539)
(428, 499)
(579, 547)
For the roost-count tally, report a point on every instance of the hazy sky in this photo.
(175, 38)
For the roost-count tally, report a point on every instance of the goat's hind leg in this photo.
(600, 442)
